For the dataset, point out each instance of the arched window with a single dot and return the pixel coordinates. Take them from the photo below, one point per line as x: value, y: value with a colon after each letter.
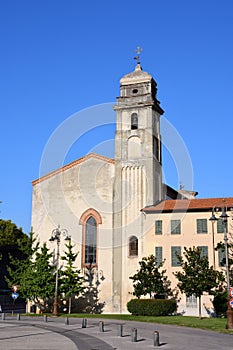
x: 134, y: 121
x: 133, y: 246
x: 90, y: 220
x: 90, y: 241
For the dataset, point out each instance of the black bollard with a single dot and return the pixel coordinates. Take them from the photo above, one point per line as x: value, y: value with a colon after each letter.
x: 101, y: 326
x: 67, y: 321
x: 156, y: 338
x: 45, y: 318
x: 120, y: 330
x: 84, y: 323
x: 134, y: 335
x: 18, y: 317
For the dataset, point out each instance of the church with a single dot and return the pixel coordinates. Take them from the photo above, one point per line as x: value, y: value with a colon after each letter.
x: 118, y: 211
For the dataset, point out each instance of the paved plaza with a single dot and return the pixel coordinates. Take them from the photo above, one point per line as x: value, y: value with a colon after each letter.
x: 34, y: 333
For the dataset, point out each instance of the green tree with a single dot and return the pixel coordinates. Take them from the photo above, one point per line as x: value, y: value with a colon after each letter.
x: 10, y: 234
x: 220, y: 303
x: 197, y: 276
x: 149, y: 279
x: 20, y: 270
x: 12, y: 239
x: 70, y: 281
x: 34, y: 276
x: 42, y: 280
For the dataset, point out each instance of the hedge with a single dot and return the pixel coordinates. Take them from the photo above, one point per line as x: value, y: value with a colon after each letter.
x: 220, y: 304
x: 151, y: 307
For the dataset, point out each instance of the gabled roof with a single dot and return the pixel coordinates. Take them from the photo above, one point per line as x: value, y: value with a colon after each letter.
x: 191, y: 205
x: 72, y: 164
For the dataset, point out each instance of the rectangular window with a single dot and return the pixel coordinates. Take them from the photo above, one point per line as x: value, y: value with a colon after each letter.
x: 202, y: 226
x: 156, y: 147
x: 221, y: 257
x: 159, y: 255
x: 220, y: 226
x: 191, y: 301
x: 204, y: 251
x: 175, y: 227
x: 158, y: 227
x: 174, y: 252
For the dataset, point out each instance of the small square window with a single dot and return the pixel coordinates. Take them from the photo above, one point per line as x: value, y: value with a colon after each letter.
x: 159, y: 255
x: 202, y: 226
x: 175, y: 227
x: 220, y: 226
x: 174, y: 258
x: 204, y: 251
x: 221, y: 257
x: 191, y: 301
x: 158, y: 227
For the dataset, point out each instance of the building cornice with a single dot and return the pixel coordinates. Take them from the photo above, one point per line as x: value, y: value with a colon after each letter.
x: 189, y: 205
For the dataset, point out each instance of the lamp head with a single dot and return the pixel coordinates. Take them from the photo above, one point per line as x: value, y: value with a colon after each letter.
x: 213, y: 217
x: 224, y: 215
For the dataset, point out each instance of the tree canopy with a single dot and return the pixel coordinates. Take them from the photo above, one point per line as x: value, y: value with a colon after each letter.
x: 10, y: 234
x: 34, y: 275
x: 197, y: 276
x: 149, y: 279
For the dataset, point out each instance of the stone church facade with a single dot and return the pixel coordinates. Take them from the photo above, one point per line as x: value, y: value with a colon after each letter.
x: 118, y: 210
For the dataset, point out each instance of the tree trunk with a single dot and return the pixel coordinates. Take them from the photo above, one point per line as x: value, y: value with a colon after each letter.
x: 200, y: 306
x: 69, y: 311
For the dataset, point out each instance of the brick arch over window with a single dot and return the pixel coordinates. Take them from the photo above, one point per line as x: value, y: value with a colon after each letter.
x: 133, y: 246
x: 90, y: 220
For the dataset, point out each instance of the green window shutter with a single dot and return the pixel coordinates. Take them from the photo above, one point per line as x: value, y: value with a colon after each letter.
x: 175, y: 227
x: 204, y: 251
x: 221, y: 257
x: 174, y: 252
x: 159, y: 255
x: 158, y: 227
x: 202, y: 226
x: 220, y: 226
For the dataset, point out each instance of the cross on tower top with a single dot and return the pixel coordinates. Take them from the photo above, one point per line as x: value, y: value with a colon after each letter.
x: 138, y: 52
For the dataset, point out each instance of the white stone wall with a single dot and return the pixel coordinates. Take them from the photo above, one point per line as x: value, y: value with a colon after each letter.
x: 62, y: 198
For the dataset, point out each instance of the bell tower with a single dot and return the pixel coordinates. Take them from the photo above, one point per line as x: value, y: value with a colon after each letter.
x: 137, y: 139
x: 138, y: 172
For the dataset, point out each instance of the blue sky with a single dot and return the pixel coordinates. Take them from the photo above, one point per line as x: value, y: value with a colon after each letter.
x: 60, y: 57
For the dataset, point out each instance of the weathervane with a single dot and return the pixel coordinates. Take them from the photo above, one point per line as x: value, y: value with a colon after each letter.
x: 138, y: 52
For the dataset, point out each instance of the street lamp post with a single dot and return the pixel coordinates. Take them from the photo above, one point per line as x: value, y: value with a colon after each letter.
x: 213, y: 219
x: 224, y: 218
x: 56, y: 236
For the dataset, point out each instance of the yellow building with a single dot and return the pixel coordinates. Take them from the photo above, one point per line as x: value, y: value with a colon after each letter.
x: 175, y: 224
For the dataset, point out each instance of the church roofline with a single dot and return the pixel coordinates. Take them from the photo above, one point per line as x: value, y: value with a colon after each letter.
x: 189, y: 205
x: 71, y: 165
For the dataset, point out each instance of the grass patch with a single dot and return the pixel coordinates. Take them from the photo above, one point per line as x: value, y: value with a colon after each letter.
x: 213, y: 324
